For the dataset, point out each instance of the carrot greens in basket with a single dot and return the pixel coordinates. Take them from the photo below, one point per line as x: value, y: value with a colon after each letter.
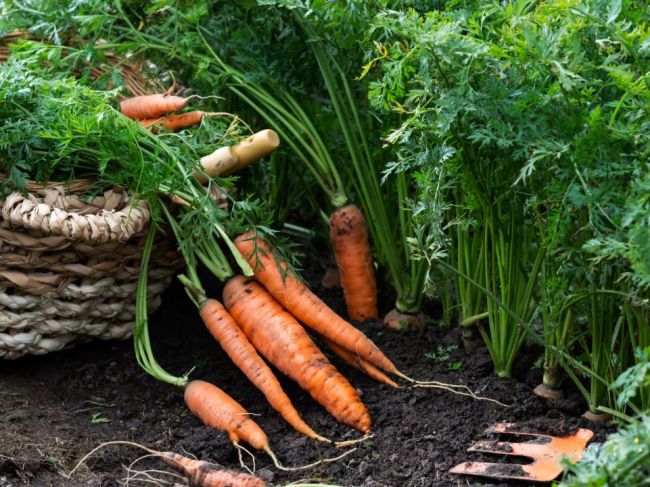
x: 54, y: 129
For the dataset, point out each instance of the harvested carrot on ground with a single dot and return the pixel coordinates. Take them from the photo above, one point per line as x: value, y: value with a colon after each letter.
x: 199, y: 473
x: 152, y: 106
x: 223, y: 328
x: 311, y: 311
x: 205, y: 474
x: 349, y: 236
x: 218, y: 410
x: 308, y: 308
x: 358, y: 363
x: 284, y: 343
x: 174, y: 122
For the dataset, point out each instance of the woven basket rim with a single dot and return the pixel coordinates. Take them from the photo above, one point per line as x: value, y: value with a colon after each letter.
x: 71, y: 187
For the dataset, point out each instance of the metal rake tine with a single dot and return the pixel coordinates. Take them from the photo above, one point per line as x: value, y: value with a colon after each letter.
x: 529, y: 450
x: 511, y: 429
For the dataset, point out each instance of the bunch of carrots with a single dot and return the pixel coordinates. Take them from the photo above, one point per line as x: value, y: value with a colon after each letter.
x: 262, y: 315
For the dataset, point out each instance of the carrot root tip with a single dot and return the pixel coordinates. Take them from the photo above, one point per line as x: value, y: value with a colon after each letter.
x: 347, y: 443
x: 459, y: 389
x: 279, y: 466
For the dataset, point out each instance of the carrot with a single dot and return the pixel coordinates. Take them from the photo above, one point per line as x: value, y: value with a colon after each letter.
x: 359, y: 364
x: 174, y: 122
x: 152, y: 106
x: 224, y: 329
x: 226, y: 161
x: 218, y: 410
x: 306, y: 306
x: 349, y: 237
x: 284, y: 343
x: 198, y: 472
x: 205, y: 474
x: 216, y: 164
x: 256, y: 147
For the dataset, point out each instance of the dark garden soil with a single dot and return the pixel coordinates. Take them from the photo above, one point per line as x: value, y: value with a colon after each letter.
x: 56, y: 408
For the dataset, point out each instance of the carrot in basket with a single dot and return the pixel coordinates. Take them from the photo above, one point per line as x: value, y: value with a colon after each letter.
x: 223, y: 328
x: 174, y: 122
x: 358, y: 363
x: 284, y: 343
x: 306, y: 306
x: 152, y: 106
x: 218, y: 410
x: 349, y: 237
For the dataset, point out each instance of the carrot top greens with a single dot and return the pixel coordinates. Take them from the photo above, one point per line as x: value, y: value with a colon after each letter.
x: 53, y: 128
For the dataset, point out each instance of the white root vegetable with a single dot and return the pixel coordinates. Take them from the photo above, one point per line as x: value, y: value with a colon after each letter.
x: 228, y: 160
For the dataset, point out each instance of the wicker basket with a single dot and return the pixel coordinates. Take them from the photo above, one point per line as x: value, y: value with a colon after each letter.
x: 69, y: 267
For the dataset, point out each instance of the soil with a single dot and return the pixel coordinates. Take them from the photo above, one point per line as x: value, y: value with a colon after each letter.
x: 54, y: 409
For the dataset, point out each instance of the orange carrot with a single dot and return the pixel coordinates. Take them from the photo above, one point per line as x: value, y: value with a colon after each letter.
x: 223, y: 328
x: 305, y: 305
x: 174, y: 122
x: 218, y: 410
x: 197, y: 472
x: 284, y: 343
x: 205, y: 474
x: 358, y: 363
x: 152, y: 106
x: 349, y: 237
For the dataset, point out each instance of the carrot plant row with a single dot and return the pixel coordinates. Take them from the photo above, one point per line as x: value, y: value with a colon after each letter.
x: 531, y: 114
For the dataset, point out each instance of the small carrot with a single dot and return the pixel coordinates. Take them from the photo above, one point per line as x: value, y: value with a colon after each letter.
x: 305, y: 305
x: 223, y: 328
x: 218, y: 410
x: 197, y: 472
x: 358, y: 363
x: 174, y: 122
x: 152, y: 106
x: 205, y: 474
x: 349, y: 237
x: 284, y: 343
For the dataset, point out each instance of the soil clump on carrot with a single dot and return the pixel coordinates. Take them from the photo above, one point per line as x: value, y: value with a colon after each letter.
x: 57, y: 408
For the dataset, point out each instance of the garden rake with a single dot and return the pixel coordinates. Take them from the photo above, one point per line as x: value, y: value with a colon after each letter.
x: 545, y: 451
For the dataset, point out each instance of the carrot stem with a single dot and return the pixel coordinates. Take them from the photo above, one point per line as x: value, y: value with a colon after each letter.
x: 143, y: 352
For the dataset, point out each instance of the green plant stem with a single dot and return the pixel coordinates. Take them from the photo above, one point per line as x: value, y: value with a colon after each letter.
x: 143, y: 352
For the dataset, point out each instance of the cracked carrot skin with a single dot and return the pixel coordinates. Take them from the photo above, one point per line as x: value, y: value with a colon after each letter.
x: 218, y: 410
x: 152, y: 106
x: 308, y: 308
x: 349, y: 236
x: 225, y: 330
x: 284, y: 343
